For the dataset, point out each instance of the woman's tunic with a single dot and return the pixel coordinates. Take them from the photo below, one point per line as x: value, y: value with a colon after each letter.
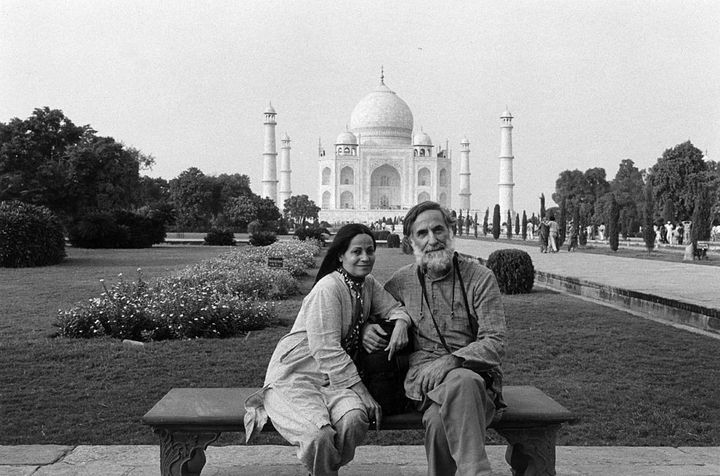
x: 310, y: 359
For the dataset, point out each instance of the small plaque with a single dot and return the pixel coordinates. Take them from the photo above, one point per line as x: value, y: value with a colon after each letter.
x: 274, y: 262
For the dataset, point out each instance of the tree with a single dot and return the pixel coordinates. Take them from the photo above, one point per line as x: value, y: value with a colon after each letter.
x: 240, y: 211
x: 542, y: 206
x: 509, y: 226
x: 48, y: 160
x: 267, y: 212
x: 562, y: 223
x: 675, y: 176
x: 524, y: 226
x: 517, y: 224
x: 475, y: 224
x: 580, y: 187
x: 300, y: 208
x: 496, y: 222
x: 460, y: 223
x: 192, y: 194
x: 613, y: 214
x: 628, y: 187
x: 485, y: 222
x: 648, y: 219
x: 700, y: 228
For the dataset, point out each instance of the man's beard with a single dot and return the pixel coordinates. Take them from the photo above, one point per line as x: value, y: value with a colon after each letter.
x: 435, y: 260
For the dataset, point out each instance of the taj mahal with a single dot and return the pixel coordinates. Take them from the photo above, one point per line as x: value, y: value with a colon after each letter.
x: 380, y: 167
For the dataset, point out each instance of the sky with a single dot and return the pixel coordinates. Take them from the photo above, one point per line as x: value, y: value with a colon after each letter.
x: 588, y: 83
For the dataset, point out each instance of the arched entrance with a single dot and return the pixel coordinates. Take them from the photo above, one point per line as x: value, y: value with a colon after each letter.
x: 385, y: 187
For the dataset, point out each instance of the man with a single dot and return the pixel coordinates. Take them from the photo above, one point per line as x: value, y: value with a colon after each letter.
x: 459, y: 332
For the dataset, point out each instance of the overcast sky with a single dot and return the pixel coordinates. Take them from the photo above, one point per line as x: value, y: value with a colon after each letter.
x: 589, y: 83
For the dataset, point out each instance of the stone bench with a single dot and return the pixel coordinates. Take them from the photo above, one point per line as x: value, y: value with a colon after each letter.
x: 189, y: 419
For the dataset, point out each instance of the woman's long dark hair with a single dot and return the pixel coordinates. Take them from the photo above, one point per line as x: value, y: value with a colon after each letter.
x: 339, y: 246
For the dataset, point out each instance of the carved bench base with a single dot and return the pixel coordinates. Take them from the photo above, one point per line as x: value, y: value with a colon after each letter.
x: 531, y: 451
x: 183, y: 453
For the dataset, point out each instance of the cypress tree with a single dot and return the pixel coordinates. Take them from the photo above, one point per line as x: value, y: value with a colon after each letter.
x: 475, y: 224
x: 700, y: 228
x: 562, y: 223
x: 517, y: 224
x: 542, y: 206
x: 460, y: 224
x: 485, y: 221
x: 648, y: 230
x: 496, y: 222
x: 614, y: 223
x: 509, y: 226
x: 524, y: 226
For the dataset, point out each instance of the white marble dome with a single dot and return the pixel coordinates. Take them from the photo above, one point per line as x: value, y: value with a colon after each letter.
x: 422, y: 139
x: 346, y: 138
x: 382, y: 118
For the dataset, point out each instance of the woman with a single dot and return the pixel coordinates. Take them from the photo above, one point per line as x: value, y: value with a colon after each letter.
x: 313, y: 393
x: 553, y: 234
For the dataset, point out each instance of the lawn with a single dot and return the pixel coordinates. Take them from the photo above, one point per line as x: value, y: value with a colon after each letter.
x: 631, y: 381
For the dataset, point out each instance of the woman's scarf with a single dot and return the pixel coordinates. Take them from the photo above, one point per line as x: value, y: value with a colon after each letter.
x: 351, y: 342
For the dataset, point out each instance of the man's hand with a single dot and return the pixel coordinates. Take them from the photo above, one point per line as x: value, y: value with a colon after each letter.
x: 433, y: 374
x: 399, y: 338
x: 375, y: 338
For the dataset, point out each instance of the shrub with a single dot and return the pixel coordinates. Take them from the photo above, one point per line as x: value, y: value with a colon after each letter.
x: 30, y: 235
x: 513, y: 269
x: 95, y: 230
x: 120, y: 229
x: 316, y: 233
x: 263, y: 238
x: 393, y: 240
x: 254, y: 226
x: 381, y: 234
x: 216, y: 237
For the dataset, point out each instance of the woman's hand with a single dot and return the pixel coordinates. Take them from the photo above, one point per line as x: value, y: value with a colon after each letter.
x: 371, y: 405
x: 399, y: 338
x: 374, y: 338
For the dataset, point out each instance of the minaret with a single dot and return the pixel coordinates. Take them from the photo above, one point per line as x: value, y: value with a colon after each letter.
x: 465, y: 174
x: 505, y: 185
x: 269, y: 181
x: 284, y: 192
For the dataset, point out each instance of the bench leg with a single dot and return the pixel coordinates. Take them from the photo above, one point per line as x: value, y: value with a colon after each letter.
x: 183, y: 453
x: 531, y: 451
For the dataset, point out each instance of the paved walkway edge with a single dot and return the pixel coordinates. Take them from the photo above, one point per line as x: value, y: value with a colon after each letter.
x: 37, y: 460
x: 649, y: 305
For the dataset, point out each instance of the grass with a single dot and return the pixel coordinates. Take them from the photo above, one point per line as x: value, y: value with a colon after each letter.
x: 631, y: 381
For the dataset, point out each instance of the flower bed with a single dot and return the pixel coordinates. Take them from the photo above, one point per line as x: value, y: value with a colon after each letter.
x: 219, y: 297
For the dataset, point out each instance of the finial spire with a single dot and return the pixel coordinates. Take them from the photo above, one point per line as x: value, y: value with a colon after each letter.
x: 382, y: 74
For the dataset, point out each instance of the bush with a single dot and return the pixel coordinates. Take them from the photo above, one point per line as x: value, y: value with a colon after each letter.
x: 393, y: 240
x: 263, y: 238
x: 381, y: 234
x: 120, y: 229
x: 96, y: 230
x: 316, y: 233
x: 513, y: 269
x: 29, y: 236
x: 216, y: 237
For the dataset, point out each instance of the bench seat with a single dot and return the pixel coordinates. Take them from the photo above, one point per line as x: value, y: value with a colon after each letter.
x: 189, y: 419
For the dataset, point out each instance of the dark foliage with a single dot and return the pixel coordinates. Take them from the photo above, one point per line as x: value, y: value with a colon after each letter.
x: 120, y: 229
x: 613, y: 223
x: 496, y: 222
x: 393, y: 240
x: 30, y: 235
x: 263, y: 238
x: 562, y: 223
x: 316, y: 233
x: 524, y: 225
x: 218, y: 237
x: 648, y: 230
x: 513, y: 270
